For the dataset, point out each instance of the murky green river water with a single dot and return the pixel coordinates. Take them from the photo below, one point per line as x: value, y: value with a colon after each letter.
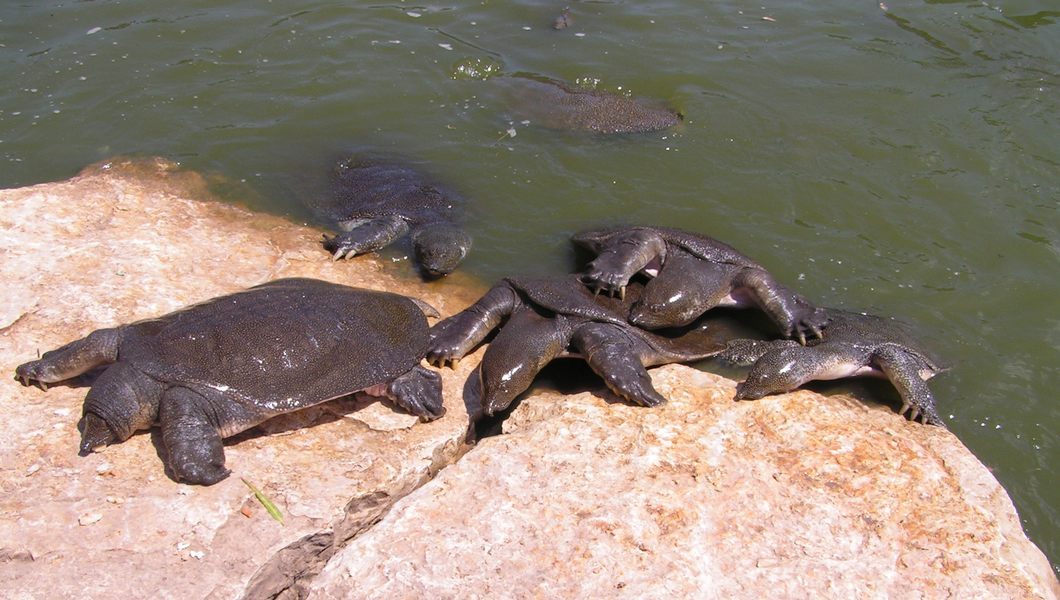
x: 899, y: 158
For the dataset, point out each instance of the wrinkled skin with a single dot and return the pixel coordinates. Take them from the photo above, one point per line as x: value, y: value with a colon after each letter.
x: 556, y: 105
x: 691, y: 274
x: 542, y: 319
x: 377, y: 202
x: 853, y: 345
x: 214, y: 369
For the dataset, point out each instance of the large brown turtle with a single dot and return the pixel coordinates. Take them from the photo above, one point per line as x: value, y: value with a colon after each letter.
x: 548, y: 318
x: 220, y: 367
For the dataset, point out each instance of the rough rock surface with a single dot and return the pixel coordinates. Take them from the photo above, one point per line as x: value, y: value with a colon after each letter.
x: 127, y: 240
x: 793, y: 496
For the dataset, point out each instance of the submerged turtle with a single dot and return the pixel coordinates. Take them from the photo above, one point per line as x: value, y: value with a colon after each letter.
x: 854, y: 344
x: 692, y: 273
x: 220, y: 367
x: 556, y: 105
x: 549, y: 318
x: 376, y: 202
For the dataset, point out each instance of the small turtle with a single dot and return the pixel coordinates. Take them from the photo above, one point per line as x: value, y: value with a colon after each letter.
x: 549, y: 318
x: 854, y: 344
x: 220, y: 367
x: 377, y: 201
x: 692, y: 273
x: 556, y: 105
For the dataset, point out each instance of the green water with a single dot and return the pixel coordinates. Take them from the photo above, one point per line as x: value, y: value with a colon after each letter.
x: 901, y: 160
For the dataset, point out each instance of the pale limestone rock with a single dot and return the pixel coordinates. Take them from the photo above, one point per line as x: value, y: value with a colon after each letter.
x: 793, y: 496
x: 128, y: 240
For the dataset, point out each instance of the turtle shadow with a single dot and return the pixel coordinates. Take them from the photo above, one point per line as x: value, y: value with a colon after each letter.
x: 305, y: 419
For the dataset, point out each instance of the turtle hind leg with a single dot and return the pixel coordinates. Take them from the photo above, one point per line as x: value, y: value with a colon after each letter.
x: 903, y: 370
x: 79, y: 356
x: 194, y: 453
x: 420, y: 392
x: 616, y: 358
x: 121, y: 402
x: 372, y: 235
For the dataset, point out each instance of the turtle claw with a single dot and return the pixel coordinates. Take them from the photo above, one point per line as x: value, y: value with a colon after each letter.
x: 622, y: 293
x: 802, y: 337
x: 43, y: 386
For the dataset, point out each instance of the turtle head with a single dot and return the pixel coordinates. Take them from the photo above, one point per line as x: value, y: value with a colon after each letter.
x: 95, y: 433
x: 674, y: 308
x: 501, y: 387
x: 684, y: 289
x: 440, y: 247
x: 779, y: 370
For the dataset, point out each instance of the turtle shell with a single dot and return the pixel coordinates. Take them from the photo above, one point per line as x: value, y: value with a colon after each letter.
x: 365, y: 189
x: 704, y: 247
x: 870, y: 332
x: 283, y: 345
x: 569, y: 296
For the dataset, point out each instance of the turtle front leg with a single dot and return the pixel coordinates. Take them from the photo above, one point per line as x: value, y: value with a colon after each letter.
x: 795, y: 315
x: 616, y: 357
x: 420, y: 392
x: 904, y: 371
x: 194, y: 453
x: 79, y: 356
x: 620, y: 258
x: 372, y: 235
x: 454, y: 337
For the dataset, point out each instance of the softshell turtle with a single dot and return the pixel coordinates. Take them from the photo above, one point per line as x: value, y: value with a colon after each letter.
x: 377, y: 201
x: 220, y: 367
x: 556, y: 105
x: 854, y: 344
x: 553, y: 317
x: 692, y: 273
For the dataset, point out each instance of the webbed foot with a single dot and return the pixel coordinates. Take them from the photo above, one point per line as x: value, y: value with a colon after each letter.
x: 603, y: 281
x: 926, y: 413
x: 420, y: 392
x: 448, y: 344
x: 808, y: 322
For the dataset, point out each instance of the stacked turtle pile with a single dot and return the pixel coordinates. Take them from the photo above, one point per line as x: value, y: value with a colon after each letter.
x: 620, y: 332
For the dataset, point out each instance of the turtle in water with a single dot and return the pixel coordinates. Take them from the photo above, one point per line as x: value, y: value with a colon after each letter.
x: 556, y: 105
x: 854, y: 344
x: 377, y: 201
x: 213, y: 369
x: 548, y: 318
x: 691, y: 273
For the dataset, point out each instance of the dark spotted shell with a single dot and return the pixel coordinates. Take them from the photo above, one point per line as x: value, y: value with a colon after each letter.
x: 283, y: 345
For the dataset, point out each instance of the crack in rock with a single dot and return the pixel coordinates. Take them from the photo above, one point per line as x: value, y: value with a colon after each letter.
x: 287, y: 575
